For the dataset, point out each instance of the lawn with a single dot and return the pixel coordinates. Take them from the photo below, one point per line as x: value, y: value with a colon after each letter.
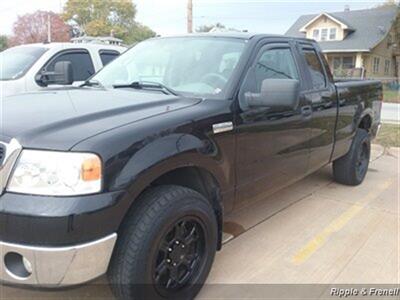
x: 391, y: 96
x: 389, y: 135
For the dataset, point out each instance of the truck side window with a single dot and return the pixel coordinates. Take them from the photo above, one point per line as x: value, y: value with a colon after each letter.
x: 275, y: 64
x: 315, y: 68
x: 108, y: 56
x: 271, y: 63
x: 81, y: 61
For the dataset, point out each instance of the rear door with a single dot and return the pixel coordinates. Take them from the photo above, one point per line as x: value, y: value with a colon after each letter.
x: 272, y: 146
x: 320, y: 95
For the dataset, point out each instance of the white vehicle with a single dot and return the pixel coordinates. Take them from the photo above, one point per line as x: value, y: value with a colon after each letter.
x: 33, y: 67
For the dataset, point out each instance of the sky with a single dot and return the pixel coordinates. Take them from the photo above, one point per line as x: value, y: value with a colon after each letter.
x: 167, y: 17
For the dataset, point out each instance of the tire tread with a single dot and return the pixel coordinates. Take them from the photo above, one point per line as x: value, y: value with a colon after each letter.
x: 138, y: 223
x: 344, y: 171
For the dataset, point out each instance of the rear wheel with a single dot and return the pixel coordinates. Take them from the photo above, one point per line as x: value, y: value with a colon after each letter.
x: 352, y: 168
x: 166, y: 247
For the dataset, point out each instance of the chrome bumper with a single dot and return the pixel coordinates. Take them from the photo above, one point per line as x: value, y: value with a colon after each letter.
x: 55, y: 267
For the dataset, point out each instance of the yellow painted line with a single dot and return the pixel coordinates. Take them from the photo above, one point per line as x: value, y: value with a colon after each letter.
x: 314, y: 244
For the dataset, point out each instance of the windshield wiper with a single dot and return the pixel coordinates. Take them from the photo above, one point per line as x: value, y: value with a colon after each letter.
x: 275, y: 71
x: 148, y: 85
x: 91, y: 83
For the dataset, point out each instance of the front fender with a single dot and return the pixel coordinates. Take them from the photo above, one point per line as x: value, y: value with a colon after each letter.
x: 166, y: 154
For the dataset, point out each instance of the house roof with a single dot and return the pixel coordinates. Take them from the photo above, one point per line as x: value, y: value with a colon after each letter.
x: 336, y: 20
x: 368, y: 28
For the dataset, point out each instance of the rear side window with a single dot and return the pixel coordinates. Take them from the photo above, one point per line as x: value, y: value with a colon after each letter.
x: 107, y: 56
x: 81, y: 61
x: 315, y: 67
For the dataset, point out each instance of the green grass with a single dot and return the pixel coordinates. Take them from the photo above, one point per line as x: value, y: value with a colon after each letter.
x: 389, y: 135
x: 391, y: 96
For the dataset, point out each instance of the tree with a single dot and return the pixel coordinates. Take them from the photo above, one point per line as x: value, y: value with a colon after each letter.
x: 33, y: 28
x: 389, y: 3
x: 3, y: 42
x: 139, y: 33
x: 100, y: 17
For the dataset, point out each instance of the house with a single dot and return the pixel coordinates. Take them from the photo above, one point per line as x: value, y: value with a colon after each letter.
x: 359, y: 43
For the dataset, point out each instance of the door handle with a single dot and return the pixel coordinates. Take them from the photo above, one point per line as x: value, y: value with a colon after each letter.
x: 306, y: 110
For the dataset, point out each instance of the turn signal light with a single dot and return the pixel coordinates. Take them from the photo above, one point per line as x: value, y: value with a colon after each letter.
x: 91, y: 169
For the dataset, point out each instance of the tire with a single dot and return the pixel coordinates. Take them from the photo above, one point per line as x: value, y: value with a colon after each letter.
x: 352, y: 168
x: 148, y: 262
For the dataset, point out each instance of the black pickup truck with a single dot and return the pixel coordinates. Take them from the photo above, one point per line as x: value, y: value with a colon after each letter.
x: 132, y: 173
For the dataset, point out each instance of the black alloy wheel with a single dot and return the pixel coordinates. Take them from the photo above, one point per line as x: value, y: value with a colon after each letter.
x: 180, y: 255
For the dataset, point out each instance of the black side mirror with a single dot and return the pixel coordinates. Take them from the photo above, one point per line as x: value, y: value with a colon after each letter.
x: 283, y: 93
x: 62, y: 75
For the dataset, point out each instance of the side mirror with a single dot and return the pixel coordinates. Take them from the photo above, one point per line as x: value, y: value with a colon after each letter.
x: 282, y: 93
x: 62, y: 75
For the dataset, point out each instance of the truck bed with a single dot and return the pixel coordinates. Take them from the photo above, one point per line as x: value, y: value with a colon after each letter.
x: 356, y: 99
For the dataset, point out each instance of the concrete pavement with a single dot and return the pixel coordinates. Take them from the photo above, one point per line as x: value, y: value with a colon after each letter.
x: 314, y: 232
x: 390, y: 113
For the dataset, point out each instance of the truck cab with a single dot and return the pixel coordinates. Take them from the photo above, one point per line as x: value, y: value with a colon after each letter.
x: 24, y: 68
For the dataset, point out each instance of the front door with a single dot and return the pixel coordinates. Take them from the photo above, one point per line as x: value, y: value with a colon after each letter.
x: 272, y: 145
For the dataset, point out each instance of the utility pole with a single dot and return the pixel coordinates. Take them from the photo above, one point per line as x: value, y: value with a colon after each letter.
x: 48, y: 28
x: 190, y: 16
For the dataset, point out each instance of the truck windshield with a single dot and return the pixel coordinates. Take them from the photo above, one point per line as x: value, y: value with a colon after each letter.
x: 192, y: 66
x: 15, y: 62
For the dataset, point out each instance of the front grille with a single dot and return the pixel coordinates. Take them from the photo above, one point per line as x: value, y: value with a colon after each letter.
x: 2, y: 153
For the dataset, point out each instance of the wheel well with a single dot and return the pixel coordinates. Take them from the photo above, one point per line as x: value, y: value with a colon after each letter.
x: 203, y: 182
x: 365, y: 123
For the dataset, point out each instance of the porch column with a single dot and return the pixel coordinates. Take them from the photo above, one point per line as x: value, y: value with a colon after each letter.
x: 359, y: 60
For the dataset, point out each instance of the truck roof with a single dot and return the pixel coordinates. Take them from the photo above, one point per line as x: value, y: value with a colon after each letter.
x: 240, y: 35
x: 75, y: 45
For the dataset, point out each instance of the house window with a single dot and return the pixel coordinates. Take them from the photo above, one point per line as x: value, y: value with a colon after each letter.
x: 332, y: 34
x: 337, y: 63
x: 376, y: 65
x: 348, y: 62
x: 315, y: 34
x: 343, y: 63
x: 324, y: 34
x: 387, y: 67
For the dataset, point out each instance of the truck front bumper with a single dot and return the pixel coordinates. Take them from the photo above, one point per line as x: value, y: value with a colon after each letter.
x: 55, y: 266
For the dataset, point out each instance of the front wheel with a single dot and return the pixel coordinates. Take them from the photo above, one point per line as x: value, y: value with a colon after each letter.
x: 166, y: 247
x: 352, y: 168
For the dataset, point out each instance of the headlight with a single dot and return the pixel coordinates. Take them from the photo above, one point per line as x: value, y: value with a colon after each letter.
x: 56, y: 173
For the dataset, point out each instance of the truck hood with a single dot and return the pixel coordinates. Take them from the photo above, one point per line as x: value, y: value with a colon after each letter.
x: 59, y: 119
